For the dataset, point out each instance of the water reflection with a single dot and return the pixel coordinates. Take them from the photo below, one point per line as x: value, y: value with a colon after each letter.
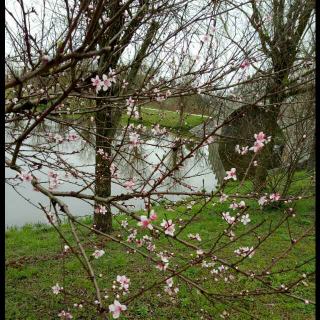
x: 196, y: 172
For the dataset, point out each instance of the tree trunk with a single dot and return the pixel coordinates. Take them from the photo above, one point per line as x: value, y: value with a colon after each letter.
x: 103, y: 174
x: 107, y: 124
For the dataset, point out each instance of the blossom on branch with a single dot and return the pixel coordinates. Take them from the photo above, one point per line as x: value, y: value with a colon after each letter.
x: 116, y: 309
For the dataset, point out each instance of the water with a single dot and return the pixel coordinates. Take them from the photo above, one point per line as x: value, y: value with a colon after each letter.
x: 22, y: 202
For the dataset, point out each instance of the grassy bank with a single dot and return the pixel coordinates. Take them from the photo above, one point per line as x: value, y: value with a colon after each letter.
x: 34, y: 264
x: 164, y: 118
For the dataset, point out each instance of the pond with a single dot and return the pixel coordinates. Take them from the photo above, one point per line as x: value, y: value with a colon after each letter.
x: 22, y: 202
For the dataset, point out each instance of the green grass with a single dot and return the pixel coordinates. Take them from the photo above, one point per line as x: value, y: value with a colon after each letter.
x: 170, y: 120
x: 37, y: 250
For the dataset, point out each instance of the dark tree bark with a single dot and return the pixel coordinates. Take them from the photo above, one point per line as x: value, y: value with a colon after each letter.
x: 107, y: 123
x: 282, y: 48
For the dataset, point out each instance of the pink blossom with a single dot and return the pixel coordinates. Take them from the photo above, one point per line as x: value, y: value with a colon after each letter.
x: 145, y: 223
x: 244, y: 150
x: 244, y: 65
x: 257, y: 146
x: 116, y: 308
x: 245, y: 219
x: 169, y: 282
x: 198, y: 237
x: 106, y: 82
x: 242, y: 204
x: 124, y: 223
x: 73, y: 136
x: 97, y: 83
x: 98, y: 253
x: 124, y: 281
x: 124, y: 83
x: 170, y: 230
x: 275, y: 196
x: 128, y: 184
x: 26, y: 176
x: 224, y: 197
x: 206, y: 38
x: 165, y: 224
x: 268, y: 18
x: 231, y: 174
x: 225, y: 215
x: 237, y: 149
x: 45, y: 59
x: 233, y: 205
x: 262, y: 200
x: 56, y: 289
x: 169, y: 227
x: 153, y: 215
x: 103, y: 210
x: 58, y: 138
x: 260, y: 137
x: 130, y: 102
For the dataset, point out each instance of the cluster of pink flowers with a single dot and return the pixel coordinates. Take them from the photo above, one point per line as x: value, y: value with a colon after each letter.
x: 169, y: 288
x: 133, y: 137
x: 105, y: 82
x: 145, y: 240
x: 160, y: 97
x: 124, y: 282
x: 100, y: 209
x: 105, y: 155
x: 235, y: 205
x: 243, y: 151
x: 58, y: 138
x: 54, y: 180
x: 73, y: 137
x: 163, y: 265
x: 261, y: 140
x: 226, y: 216
x: 131, y: 108
x: 196, y: 236
x: 275, y: 196
x: 26, y: 176
x: 169, y: 227
x: 64, y: 314
x: 245, y: 65
x: 243, y: 251
x: 157, y: 130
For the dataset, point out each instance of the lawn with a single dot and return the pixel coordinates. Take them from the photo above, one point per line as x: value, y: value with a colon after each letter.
x: 34, y: 263
x: 165, y: 118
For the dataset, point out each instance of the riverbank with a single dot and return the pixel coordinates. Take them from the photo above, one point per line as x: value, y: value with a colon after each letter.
x: 34, y: 263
